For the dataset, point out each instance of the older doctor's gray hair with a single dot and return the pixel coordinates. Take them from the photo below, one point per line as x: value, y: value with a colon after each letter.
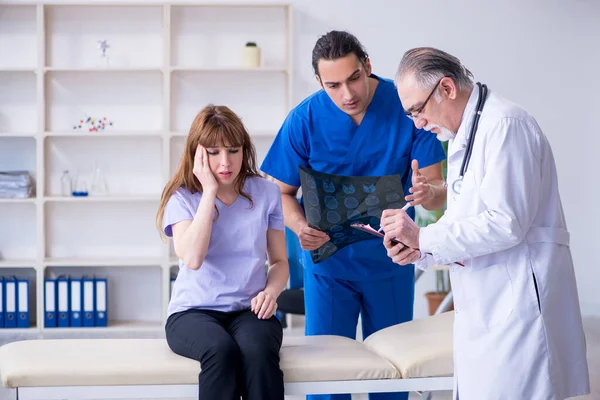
x: 429, y: 65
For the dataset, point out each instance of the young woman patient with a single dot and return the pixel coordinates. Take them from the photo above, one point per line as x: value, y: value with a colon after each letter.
x: 225, y: 221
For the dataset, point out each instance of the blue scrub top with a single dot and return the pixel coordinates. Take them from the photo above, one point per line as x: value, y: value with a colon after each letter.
x: 318, y: 135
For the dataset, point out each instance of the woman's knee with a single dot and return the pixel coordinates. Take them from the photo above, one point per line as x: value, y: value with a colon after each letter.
x: 262, y: 348
x: 223, y: 349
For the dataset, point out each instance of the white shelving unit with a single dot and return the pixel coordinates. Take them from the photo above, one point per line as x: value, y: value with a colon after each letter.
x: 165, y: 62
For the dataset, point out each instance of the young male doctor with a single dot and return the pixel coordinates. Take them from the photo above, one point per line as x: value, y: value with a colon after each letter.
x: 517, y: 330
x: 354, y: 126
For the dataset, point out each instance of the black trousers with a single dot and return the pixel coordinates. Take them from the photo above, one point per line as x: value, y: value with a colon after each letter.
x: 238, y: 353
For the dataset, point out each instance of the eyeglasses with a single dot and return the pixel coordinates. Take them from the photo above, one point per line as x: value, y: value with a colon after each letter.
x: 415, y: 113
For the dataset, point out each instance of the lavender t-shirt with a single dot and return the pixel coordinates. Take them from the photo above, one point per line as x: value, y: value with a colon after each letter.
x: 233, y: 271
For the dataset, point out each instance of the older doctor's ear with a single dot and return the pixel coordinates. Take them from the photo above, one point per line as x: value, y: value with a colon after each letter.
x: 448, y: 88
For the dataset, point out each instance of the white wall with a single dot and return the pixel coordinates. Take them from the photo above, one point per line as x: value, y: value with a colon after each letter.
x: 543, y: 54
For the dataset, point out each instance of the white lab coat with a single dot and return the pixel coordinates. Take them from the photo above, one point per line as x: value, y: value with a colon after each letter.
x: 518, y: 333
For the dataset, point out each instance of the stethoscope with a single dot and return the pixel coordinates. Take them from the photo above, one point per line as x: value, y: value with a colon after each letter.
x: 457, y: 184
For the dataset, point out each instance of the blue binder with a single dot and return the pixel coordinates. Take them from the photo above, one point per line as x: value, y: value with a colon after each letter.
x: 76, y: 302
x: 2, y: 302
x: 10, y: 309
x: 63, y: 302
x: 23, y: 303
x: 88, y: 302
x: 50, y: 304
x: 101, y: 302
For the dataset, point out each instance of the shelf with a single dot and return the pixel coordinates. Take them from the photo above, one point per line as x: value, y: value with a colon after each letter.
x: 29, y: 200
x: 132, y: 103
x: 18, y: 134
x: 18, y: 30
x: 229, y: 69
x: 130, y: 165
x: 127, y: 3
x: 18, y: 243
x: 8, y: 331
x: 100, y: 262
x: 213, y: 37
x: 102, y: 69
x: 17, y: 69
x: 113, y: 326
x: 105, y: 133
x: 17, y: 263
x: 72, y: 33
x: 25, y: 147
x: 107, y: 199
x: 18, y: 102
x: 261, y: 104
x: 106, y: 230
x: 253, y: 133
x: 166, y: 61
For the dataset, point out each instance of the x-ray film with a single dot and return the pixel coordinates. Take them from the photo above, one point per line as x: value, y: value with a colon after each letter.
x: 333, y: 202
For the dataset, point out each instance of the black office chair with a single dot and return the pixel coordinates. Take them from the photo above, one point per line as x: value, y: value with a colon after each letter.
x: 291, y: 300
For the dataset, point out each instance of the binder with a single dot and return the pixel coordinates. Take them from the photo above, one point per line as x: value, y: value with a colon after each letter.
x: 63, y: 302
x: 101, y: 302
x: 23, y: 303
x: 88, y: 302
x: 50, y: 306
x: 76, y: 303
x: 10, y: 316
x: 2, y: 302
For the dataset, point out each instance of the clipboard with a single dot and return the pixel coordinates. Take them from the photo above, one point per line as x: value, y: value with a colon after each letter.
x: 367, y: 228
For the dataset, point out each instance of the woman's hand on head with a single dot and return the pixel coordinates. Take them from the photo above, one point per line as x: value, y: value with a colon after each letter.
x: 264, y: 305
x: 202, y: 171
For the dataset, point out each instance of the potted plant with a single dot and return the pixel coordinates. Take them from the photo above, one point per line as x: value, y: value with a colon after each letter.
x: 442, y: 288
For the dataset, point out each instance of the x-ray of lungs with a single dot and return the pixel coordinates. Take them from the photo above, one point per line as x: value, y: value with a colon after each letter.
x: 333, y: 202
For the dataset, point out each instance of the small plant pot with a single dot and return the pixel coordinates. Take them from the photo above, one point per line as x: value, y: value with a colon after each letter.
x: 435, y: 299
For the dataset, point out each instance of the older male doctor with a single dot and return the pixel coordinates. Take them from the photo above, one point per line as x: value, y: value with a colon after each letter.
x: 517, y: 330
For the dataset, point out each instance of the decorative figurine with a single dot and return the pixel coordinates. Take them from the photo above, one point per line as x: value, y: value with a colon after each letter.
x: 103, y: 46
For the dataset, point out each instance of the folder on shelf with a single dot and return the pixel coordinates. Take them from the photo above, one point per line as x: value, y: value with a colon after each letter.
x: 23, y: 303
x: 63, y: 302
x: 76, y: 303
x: 10, y: 313
x: 88, y: 302
x: 50, y: 303
x: 2, y: 302
x: 101, y: 302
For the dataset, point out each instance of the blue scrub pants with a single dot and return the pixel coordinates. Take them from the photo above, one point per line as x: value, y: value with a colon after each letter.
x: 333, y: 305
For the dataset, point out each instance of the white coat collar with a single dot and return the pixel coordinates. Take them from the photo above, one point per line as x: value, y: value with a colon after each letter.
x: 460, y: 140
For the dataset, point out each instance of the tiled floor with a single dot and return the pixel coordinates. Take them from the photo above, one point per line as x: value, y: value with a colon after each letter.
x: 592, y: 329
